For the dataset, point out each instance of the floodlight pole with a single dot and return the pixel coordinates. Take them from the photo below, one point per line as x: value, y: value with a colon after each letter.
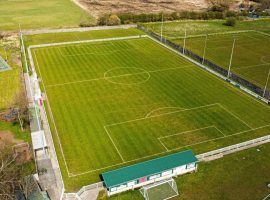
x: 266, y: 84
x: 6, y: 53
x: 229, y: 71
x: 161, y: 31
x: 184, y: 46
x: 204, y: 50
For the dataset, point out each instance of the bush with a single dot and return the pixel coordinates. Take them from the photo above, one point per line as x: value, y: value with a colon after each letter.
x: 230, y: 21
x: 88, y: 22
x: 114, y: 20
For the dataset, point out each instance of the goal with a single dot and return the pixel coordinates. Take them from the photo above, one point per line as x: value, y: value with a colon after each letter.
x: 161, y: 190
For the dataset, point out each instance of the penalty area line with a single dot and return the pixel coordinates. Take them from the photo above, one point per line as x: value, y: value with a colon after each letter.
x: 114, y: 144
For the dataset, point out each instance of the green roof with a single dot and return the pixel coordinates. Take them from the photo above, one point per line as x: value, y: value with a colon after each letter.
x: 147, y: 168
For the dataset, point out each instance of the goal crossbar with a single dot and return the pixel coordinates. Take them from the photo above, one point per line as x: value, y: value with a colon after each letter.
x: 161, y: 190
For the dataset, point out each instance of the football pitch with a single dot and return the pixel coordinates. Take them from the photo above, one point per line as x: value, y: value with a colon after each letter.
x: 116, y: 102
x: 250, y: 59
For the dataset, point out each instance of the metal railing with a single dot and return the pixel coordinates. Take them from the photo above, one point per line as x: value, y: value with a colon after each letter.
x: 236, y: 147
x: 82, y: 190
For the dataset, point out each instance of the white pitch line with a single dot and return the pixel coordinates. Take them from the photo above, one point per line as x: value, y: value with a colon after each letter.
x: 178, y: 111
x: 52, y: 118
x: 90, y: 171
x: 114, y: 144
x: 163, y: 145
x: 167, y: 136
x: 219, y: 131
x: 234, y: 115
x: 123, y: 75
x: 162, y: 108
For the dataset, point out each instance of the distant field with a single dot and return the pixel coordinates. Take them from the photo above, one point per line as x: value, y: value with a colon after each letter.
x: 10, y: 84
x: 32, y: 14
x: 118, y: 102
x: 75, y: 36
x: 251, y: 59
x: 195, y: 27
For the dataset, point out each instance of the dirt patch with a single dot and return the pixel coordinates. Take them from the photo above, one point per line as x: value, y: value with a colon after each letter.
x: 7, y: 137
x: 97, y: 7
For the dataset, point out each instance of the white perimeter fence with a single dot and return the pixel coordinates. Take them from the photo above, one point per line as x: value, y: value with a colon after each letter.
x: 234, y: 148
x: 78, y: 195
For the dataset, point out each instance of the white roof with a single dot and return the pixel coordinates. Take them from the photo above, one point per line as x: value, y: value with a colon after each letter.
x: 38, y: 140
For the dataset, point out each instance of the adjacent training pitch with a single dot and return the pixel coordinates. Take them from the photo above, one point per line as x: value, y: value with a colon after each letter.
x: 114, y: 103
x: 250, y: 59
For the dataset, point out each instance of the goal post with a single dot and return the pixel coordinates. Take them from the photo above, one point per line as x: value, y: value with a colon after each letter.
x: 161, y: 190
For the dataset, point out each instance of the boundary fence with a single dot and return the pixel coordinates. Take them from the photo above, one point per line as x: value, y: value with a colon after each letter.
x: 258, y: 90
x: 78, y: 195
x: 234, y: 148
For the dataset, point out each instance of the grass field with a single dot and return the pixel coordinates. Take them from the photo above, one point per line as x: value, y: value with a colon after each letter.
x: 39, y: 14
x: 118, y: 102
x: 251, y: 58
x: 10, y: 82
x: 196, y: 27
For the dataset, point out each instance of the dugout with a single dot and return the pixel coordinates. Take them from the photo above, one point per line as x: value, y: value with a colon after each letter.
x: 148, y: 172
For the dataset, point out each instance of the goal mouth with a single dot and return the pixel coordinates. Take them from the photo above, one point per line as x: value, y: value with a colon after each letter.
x: 161, y: 190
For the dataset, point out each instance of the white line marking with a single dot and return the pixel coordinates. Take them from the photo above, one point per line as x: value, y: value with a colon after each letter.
x: 162, y: 108
x: 220, y: 137
x: 114, y: 144
x: 123, y: 75
x: 52, y: 118
x: 178, y: 111
x: 163, y: 145
x: 220, y: 131
x: 190, y: 131
x: 143, y: 71
x: 234, y: 115
x: 168, y: 151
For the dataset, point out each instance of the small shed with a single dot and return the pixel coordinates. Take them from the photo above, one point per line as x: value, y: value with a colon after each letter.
x: 150, y: 171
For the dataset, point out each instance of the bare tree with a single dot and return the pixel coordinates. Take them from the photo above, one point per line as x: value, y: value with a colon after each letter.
x: 28, y: 185
x: 9, y: 173
x: 21, y: 107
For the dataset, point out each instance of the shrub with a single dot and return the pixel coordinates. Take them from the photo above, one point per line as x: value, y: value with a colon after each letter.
x: 114, y: 20
x: 88, y: 22
x: 230, y: 21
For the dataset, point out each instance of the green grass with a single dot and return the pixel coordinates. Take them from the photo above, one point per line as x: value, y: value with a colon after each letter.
x: 10, y: 82
x: 32, y: 14
x: 16, y: 130
x: 241, y: 175
x: 193, y: 27
x: 113, y: 101
x: 75, y: 36
x: 251, y: 59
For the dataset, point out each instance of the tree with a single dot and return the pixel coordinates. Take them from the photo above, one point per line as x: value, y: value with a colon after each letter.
x: 9, y: 173
x: 114, y: 20
x: 265, y: 4
x: 21, y: 106
x: 230, y: 21
x: 13, y: 176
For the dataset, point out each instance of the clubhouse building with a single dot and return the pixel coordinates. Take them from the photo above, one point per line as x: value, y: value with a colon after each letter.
x: 149, y: 172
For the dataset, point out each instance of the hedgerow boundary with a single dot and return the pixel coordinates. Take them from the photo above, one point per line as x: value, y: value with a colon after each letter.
x: 246, y: 85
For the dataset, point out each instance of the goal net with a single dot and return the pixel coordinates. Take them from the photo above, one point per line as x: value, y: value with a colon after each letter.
x: 160, y: 190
